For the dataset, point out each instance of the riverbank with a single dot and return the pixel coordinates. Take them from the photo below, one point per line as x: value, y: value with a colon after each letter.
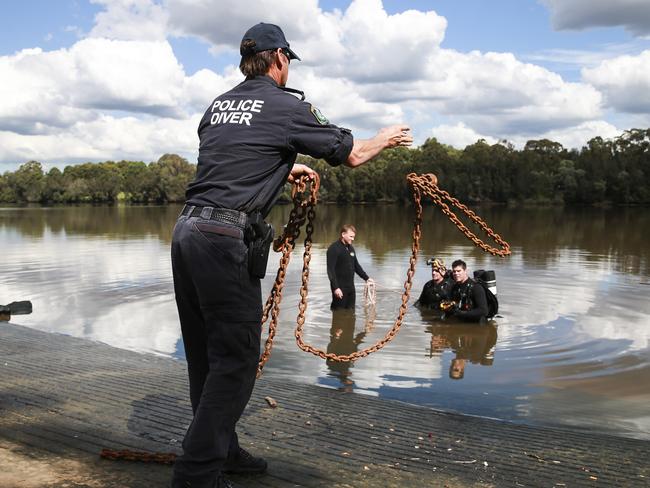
x: 64, y: 399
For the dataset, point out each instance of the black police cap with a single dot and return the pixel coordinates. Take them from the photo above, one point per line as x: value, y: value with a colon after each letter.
x: 266, y: 36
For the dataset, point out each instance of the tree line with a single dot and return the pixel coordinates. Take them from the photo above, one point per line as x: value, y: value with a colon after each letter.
x: 543, y: 172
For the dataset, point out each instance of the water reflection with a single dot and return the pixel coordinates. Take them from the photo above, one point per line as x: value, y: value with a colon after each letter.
x: 473, y: 344
x: 573, y: 339
x: 345, y: 340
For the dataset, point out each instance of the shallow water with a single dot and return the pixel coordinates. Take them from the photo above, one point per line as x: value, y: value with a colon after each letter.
x: 570, y: 346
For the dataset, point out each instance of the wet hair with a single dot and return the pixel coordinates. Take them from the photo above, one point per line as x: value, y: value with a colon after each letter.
x: 347, y: 227
x: 459, y: 262
x: 255, y: 64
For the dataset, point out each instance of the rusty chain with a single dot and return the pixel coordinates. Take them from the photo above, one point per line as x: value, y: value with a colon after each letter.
x: 302, y: 306
x: 303, y: 211
x: 427, y: 184
x: 141, y: 456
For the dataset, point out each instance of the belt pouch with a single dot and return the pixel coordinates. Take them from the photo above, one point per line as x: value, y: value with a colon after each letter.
x: 259, y: 247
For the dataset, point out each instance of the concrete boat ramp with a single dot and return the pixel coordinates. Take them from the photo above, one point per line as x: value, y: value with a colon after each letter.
x: 64, y: 399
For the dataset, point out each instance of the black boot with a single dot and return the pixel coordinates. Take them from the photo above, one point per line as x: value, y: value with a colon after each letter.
x: 220, y: 482
x: 243, y: 462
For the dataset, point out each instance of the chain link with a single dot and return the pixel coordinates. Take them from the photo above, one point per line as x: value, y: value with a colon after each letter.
x: 303, y: 210
x: 427, y: 184
x: 141, y: 456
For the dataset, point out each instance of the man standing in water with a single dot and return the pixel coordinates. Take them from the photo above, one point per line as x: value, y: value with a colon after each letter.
x: 249, y: 139
x: 342, y: 264
x: 469, y: 296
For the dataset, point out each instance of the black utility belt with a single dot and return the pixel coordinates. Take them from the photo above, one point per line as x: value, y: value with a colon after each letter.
x: 256, y: 233
x: 223, y: 215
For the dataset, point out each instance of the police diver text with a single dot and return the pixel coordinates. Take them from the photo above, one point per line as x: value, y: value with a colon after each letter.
x: 235, y: 111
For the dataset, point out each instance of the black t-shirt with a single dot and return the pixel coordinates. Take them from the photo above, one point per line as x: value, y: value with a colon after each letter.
x: 249, y: 139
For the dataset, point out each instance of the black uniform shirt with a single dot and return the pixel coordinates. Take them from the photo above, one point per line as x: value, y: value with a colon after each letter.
x: 249, y: 140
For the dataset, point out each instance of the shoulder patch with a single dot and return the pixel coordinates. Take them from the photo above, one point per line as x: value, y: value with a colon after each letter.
x: 322, y: 120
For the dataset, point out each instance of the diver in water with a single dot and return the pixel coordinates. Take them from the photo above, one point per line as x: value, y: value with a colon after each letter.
x: 469, y: 296
x: 438, y: 289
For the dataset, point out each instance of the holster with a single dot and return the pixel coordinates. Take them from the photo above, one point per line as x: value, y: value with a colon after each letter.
x: 258, y: 236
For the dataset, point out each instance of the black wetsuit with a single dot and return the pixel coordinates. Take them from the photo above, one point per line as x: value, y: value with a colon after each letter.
x: 433, y: 293
x: 342, y: 263
x: 471, y: 300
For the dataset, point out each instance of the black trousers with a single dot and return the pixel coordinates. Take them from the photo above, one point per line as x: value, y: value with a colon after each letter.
x: 220, y: 311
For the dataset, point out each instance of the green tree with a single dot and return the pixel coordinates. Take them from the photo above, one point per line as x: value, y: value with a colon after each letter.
x: 54, y: 188
x: 173, y: 174
x: 28, y: 182
x: 7, y: 192
x: 138, y: 182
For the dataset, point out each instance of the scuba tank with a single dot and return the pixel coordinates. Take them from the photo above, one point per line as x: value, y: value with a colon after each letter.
x: 489, y: 278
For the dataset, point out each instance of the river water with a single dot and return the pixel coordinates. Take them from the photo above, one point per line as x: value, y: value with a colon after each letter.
x: 570, y: 346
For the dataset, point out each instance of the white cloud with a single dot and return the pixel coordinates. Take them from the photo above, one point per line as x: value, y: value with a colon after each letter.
x: 56, y: 88
x: 502, y: 95
x: 634, y: 15
x: 494, y: 94
x: 625, y: 81
x: 95, y: 101
x: 383, y: 59
x: 582, y: 58
x: 103, y: 138
x: 126, y: 75
x: 385, y: 48
x: 204, y: 85
x: 342, y: 103
x: 363, y: 67
x: 579, y: 135
x: 458, y: 135
x: 223, y: 23
x: 363, y: 43
x: 30, y: 91
x: 76, y: 30
x: 133, y: 20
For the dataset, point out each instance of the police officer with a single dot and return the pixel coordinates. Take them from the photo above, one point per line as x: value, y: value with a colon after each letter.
x: 249, y: 139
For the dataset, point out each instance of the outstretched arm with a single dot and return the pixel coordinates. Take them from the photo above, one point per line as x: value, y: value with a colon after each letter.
x: 363, y: 150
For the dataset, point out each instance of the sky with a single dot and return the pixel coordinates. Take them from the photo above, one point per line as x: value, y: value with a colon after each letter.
x: 98, y: 80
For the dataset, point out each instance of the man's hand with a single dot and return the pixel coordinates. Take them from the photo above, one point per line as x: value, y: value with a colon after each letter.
x: 396, y: 135
x: 364, y: 150
x: 300, y: 169
x: 338, y: 293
